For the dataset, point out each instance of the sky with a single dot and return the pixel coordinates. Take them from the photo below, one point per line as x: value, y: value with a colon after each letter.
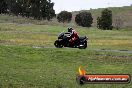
x: 76, y: 5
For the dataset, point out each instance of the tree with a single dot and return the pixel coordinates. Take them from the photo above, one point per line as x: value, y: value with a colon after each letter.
x: 84, y: 19
x: 64, y: 16
x: 99, y: 22
x: 3, y: 6
x: 41, y: 9
x: 105, y: 21
x: 38, y: 9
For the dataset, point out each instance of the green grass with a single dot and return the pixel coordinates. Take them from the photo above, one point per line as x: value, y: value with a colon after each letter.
x: 22, y: 66
x: 28, y: 67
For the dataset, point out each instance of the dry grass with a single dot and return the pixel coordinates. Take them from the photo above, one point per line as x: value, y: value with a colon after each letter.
x: 45, y: 35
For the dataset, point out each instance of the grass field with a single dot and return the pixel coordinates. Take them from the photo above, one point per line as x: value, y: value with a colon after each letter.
x: 45, y: 35
x: 23, y: 66
x: 26, y: 67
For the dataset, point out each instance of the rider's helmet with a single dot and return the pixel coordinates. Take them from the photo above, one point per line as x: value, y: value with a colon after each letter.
x: 70, y: 29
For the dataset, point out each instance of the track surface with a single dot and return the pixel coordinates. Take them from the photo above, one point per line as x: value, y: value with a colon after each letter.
x: 102, y: 50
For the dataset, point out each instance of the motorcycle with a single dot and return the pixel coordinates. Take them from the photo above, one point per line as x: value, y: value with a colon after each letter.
x: 63, y: 41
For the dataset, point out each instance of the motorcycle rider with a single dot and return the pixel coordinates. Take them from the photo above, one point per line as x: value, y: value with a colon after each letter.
x: 74, y: 36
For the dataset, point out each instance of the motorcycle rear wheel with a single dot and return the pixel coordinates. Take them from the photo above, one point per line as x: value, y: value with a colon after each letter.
x: 57, y: 44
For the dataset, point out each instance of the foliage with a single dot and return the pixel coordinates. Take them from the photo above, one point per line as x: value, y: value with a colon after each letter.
x: 64, y: 16
x: 105, y: 21
x: 38, y: 9
x: 84, y: 19
x: 3, y: 7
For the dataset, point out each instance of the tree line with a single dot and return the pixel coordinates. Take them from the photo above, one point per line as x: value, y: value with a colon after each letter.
x: 85, y: 19
x: 38, y: 9
x: 43, y: 9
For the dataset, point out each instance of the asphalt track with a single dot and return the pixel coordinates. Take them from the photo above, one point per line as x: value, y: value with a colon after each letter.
x: 100, y: 50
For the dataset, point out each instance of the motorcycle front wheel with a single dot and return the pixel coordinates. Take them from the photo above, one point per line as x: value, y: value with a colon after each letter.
x: 83, y: 45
